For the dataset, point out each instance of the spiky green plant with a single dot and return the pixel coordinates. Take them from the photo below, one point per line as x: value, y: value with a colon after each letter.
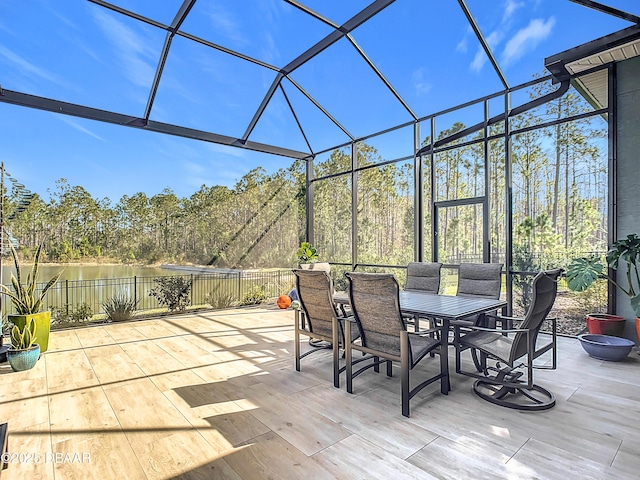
x: 24, y: 297
x: 120, y: 307
x: 25, y: 338
x: 220, y: 300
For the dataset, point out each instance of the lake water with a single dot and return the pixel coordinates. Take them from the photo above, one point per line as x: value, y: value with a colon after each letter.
x: 84, y: 272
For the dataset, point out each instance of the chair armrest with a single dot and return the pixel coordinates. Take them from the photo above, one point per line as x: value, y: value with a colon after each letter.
x: 501, y: 318
x: 426, y: 332
x: 498, y: 330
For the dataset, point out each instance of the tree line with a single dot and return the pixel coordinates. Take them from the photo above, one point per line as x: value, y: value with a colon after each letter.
x: 257, y: 223
x: 559, y: 198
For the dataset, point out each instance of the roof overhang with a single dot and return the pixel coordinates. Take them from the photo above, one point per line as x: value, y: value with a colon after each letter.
x: 571, y: 63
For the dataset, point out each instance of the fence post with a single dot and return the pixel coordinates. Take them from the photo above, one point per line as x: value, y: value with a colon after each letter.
x: 66, y: 295
x: 135, y: 288
x: 191, y: 289
x: 239, y: 285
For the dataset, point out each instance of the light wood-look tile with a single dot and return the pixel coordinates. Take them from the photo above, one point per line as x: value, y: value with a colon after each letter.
x: 123, y: 332
x: 69, y: 370
x: 308, y: 430
x: 151, y: 358
x: 30, y: 450
x: 183, y: 349
x: 270, y: 456
x: 63, y: 340
x: 215, y: 395
x: 539, y: 460
x: 152, y: 329
x: 96, y: 456
x: 343, y: 460
x: 112, y: 365
x: 94, y: 336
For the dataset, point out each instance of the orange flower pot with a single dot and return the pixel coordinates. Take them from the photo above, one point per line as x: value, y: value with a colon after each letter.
x: 605, y: 324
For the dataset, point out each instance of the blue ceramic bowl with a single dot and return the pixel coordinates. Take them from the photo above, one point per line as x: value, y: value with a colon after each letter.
x: 606, y: 347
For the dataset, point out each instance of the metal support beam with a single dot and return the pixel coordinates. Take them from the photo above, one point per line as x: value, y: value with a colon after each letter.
x: 432, y: 193
x: 56, y: 106
x: 382, y: 77
x: 354, y: 206
x: 295, y: 117
x: 263, y: 106
x: 608, y: 10
x: 418, y: 198
x: 321, y: 108
x: 310, y: 233
x: 486, y: 207
x: 508, y: 212
x: 564, y: 87
x: 483, y: 42
x: 173, y: 28
x: 612, y: 234
x: 357, y: 20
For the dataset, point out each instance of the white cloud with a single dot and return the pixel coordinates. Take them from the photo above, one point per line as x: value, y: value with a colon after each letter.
x: 77, y: 126
x: 462, y: 46
x: 481, y: 58
x: 223, y: 21
x: 27, y: 67
x: 527, y: 39
x: 138, y: 58
x: 420, y: 83
x: 510, y: 7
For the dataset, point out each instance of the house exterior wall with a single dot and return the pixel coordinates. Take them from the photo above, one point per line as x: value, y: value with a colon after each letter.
x: 628, y: 168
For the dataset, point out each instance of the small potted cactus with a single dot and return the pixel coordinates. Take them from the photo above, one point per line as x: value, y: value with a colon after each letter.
x: 24, y: 352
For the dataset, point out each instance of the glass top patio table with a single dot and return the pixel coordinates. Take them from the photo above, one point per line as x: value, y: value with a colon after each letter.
x: 447, y: 307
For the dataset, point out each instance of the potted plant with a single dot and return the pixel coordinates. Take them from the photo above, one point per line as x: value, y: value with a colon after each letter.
x: 24, y: 352
x: 27, y: 302
x: 582, y: 272
x: 307, y: 253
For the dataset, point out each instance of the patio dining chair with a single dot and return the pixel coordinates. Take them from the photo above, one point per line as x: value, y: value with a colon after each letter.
x: 375, y: 303
x: 318, y: 318
x: 478, y: 280
x: 422, y: 277
x: 502, y: 384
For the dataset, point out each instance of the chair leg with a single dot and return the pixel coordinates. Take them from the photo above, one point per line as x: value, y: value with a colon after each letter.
x: 336, y: 354
x: 376, y: 366
x: 348, y: 356
x: 445, y: 386
x: 297, y: 340
x: 405, y: 366
x: 389, y: 368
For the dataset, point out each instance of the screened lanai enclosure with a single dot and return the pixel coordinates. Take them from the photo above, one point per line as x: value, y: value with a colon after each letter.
x: 379, y: 168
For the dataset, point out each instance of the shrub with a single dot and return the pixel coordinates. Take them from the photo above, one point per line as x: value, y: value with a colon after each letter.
x: 220, y: 300
x: 81, y: 313
x: 255, y: 296
x: 119, y: 308
x: 173, y: 292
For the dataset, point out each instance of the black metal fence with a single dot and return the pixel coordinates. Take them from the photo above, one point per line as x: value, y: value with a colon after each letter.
x: 239, y: 286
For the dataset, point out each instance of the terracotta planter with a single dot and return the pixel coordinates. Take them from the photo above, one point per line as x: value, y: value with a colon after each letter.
x: 43, y: 326
x: 638, y: 328
x: 605, y: 324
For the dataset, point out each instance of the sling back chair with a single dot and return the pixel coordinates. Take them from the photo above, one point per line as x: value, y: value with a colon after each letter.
x: 375, y: 304
x: 422, y: 277
x: 502, y: 384
x: 478, y: 280
x: 318, y: 318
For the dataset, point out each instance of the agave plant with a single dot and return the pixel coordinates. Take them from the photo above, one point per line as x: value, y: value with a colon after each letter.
x: 24, y: 297
x: 25, y: 338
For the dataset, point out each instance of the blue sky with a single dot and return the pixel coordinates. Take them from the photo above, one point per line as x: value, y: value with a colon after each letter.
x: 78, y: 52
